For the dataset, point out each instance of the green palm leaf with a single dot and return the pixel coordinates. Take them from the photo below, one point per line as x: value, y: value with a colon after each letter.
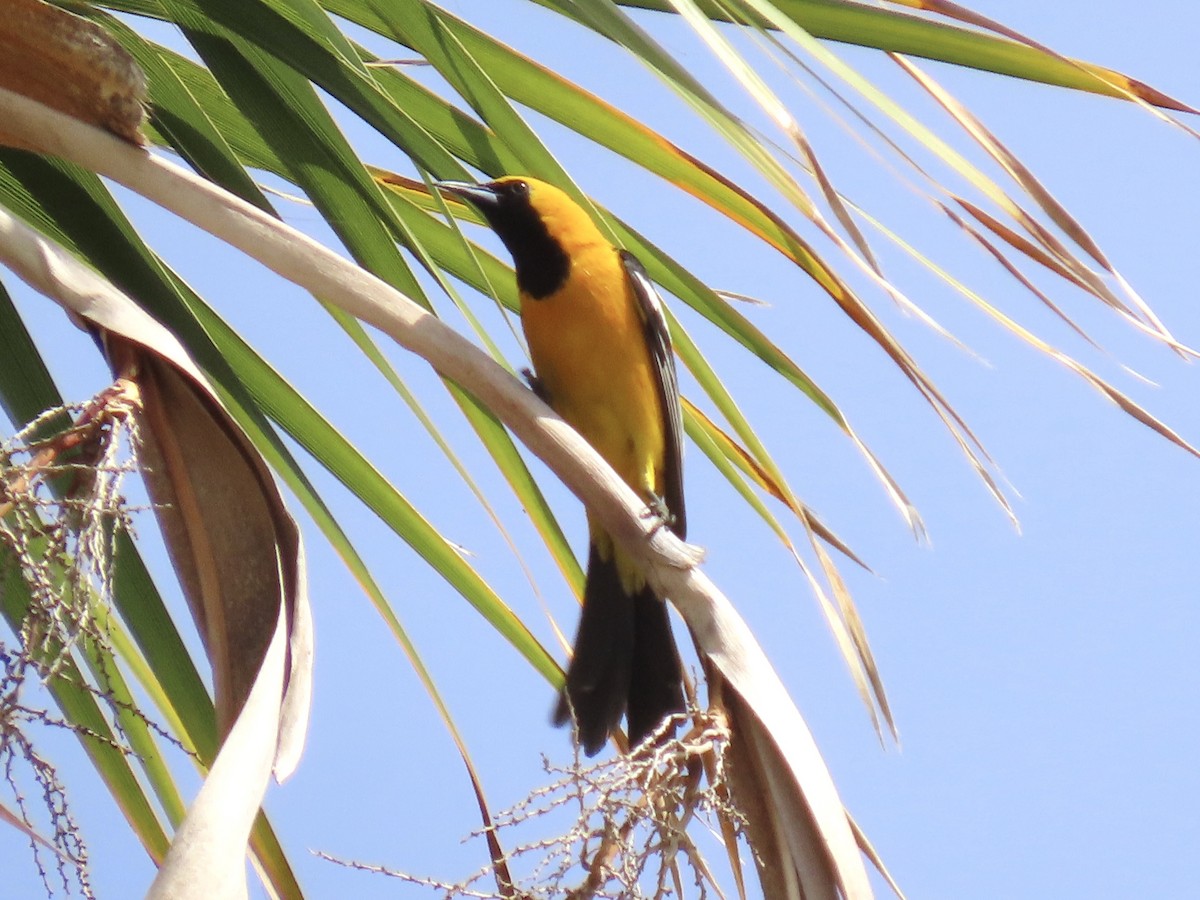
x: 282, y: 92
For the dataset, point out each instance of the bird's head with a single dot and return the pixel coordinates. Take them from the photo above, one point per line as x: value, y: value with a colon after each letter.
x: 541, y: 226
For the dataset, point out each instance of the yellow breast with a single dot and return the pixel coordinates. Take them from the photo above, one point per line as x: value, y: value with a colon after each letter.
x: 588, y: 346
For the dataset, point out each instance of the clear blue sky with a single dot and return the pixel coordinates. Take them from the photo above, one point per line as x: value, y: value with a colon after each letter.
x: 1044, y: 683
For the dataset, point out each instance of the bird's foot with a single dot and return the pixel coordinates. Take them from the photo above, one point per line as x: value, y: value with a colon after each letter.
x: 535, y: 385
x: 657, y: 509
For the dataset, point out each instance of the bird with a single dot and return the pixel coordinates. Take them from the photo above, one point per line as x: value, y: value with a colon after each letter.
x: 602, y: 360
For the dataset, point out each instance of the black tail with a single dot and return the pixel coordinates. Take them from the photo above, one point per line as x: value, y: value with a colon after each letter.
x: 625, y: 659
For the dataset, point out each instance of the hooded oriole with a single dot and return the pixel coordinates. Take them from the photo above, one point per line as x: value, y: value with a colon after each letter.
x: 603, y: 361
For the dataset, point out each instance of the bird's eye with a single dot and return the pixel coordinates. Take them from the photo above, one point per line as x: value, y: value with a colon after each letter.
x: 519, y: 188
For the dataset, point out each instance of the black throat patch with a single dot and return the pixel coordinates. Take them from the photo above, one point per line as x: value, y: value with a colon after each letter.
x: 541, y: 263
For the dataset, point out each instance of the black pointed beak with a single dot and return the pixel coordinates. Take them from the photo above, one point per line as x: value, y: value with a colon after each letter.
x: 482, y: 197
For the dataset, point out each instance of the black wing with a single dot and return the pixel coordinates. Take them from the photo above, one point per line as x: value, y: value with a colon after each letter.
x: 658, y: 339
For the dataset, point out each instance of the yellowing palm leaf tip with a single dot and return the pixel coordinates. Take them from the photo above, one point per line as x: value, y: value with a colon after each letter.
x: 603, y: 360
